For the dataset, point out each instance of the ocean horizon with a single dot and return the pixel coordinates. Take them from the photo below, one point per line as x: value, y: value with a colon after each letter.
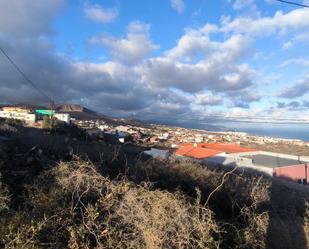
x: 287, y: 131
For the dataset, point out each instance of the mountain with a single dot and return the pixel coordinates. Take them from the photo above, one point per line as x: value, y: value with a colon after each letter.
x: 73, y: 108
x: 81, y: 113
x: 27, y: 106
x: 132, y: 122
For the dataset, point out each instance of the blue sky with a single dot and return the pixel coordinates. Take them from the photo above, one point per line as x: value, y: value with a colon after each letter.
x: 175, y: 61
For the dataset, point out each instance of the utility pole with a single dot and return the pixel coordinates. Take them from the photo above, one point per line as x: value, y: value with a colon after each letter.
x: 52, y: 106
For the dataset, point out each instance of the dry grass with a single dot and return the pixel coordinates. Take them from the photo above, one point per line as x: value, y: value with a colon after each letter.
x: 119, y: 203
x: 252, y: 211
x: 73, y: 206
x: 306, y: 223
x: 4, y: 196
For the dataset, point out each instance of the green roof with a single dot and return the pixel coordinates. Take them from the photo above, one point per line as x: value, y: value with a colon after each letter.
x: 45, y: 112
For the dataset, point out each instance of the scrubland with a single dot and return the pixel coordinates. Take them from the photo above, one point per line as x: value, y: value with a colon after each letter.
x: 64, y: 191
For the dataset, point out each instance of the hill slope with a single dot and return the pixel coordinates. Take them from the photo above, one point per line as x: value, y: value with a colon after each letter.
x: 50, y: 197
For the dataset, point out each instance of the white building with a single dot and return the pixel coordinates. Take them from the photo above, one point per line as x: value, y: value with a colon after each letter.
x: 103, y: 127
x: 65, y: 117
x: 27, y: 117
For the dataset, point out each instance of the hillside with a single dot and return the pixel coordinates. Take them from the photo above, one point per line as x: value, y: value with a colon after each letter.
x: 81, y: 113
x: 62, y: 190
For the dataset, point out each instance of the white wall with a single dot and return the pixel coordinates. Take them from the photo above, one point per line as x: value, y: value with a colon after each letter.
x: 27, y: 117
x: 65, y: 117
x: 237, y: 161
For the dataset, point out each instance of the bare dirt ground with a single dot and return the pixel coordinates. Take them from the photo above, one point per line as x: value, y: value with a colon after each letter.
x: 280, y: 148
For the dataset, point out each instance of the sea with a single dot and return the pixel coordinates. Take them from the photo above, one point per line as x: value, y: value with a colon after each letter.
x: 290, y: 131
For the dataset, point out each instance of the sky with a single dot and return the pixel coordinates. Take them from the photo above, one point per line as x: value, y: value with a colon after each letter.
x: 171, y: 61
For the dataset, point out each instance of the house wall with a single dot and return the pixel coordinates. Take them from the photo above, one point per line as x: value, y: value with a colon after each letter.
x: 235, y: 161
x: 65, y: 117
x: 294, y: 173
x: 27, y: 117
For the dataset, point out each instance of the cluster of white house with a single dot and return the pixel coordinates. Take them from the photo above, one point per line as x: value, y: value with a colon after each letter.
x: 30, y: 116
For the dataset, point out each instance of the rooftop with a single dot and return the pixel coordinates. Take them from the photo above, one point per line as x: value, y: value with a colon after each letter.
x: 272, y: 161
x: 196, y: 152
x: 204, y: 150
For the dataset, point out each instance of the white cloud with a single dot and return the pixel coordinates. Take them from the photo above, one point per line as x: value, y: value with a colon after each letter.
x: 215, y: 66
x: 295, y: 61
x: 279, y: 23
x: 178, y: 5
x: 193, y: 43
x: 131, y: 49
x: 297, y: 90
x: 205, y: 67
x: 287, y: 45
x: 246, y: 7
x: 99, y: 14
x: 209, y: 100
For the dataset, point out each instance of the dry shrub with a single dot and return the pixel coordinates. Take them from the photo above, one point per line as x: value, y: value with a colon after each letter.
x: 255, y: 216
x: 240, y: 204
x: 164, y: 220
x: 73, y: 206
x: 306, y: 225
x: 173, y: 175
x: 4, y: 196
x: 7, y: 128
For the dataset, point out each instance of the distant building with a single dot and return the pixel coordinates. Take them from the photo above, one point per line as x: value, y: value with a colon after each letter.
x: 119, y: 135
x: 43, y: 112
x: 27, y: 115
x: 104, y: 127
x: 164, y: 136
x: 16, y: 109
x: 65, y: 117
x: 24, y: 116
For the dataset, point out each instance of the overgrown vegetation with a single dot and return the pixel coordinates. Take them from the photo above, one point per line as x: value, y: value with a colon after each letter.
x: 119, y: 199
x: 49, y: 123
x: 74, y: 206
x: 4, y: 196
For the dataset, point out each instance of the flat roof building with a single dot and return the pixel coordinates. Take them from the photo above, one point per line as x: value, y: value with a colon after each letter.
x: 288, y: 167
x: 27, y: 117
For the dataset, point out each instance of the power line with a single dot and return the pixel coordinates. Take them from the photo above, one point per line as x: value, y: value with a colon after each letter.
x: 293, y: 3
x: 29, y: 81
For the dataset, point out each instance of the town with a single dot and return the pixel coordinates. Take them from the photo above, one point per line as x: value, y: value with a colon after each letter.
x: 228, y: 148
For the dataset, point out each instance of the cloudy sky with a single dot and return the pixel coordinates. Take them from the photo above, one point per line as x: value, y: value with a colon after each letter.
x: 174, y: 61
